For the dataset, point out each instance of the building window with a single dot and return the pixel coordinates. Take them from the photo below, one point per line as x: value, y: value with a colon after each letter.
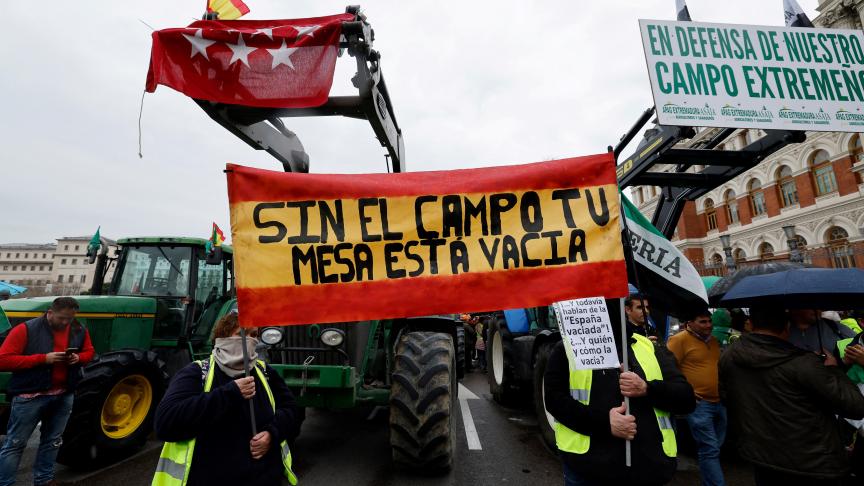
x: 711, y: 214
x: 716, y: 265
x: 839, y: 249
x: 41, y: 268
x: 766, y: 251
x: 857, y: 152
x: 65, y: 247
x: 757, y: 197
x: 800, y: 242
x: 44, y: 255
x: 83, y: 278
x: 32, y: 268
x: 26, y: 256
x: 76, y: 247
x: 786, y: 186
x: 823, y: 173
x: 14, y: 268
x: 5, y: 267
x: 17, y: 255
x: 63, y: 262
x: 75, y: 261
x: 60, y: 278
x: 731, y: 206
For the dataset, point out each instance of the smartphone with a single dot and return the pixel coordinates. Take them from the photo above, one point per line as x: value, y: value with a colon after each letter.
x: 72, y: 351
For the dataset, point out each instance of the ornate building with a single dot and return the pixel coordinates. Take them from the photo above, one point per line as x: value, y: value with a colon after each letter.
x: 808, y: 195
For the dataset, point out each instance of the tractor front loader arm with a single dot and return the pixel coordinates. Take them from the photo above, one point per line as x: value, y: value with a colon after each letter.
x: 262, y: 128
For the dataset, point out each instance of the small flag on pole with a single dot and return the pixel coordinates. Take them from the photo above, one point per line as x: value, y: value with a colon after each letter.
x: 93, y: 246
x: 227, y: 9
x: 795, y: 16
x: 216, y: 238
x: 97, y: 239
x: 682, y: 13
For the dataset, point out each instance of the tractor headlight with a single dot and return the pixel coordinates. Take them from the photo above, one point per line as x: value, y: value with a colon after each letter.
x: 332, y: 337
x: 271, y: 336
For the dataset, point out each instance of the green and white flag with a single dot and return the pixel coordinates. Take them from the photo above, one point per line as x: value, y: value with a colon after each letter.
x: 663, y: 271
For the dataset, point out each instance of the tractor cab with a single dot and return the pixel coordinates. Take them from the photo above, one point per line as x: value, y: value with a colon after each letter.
x: 189, y: 285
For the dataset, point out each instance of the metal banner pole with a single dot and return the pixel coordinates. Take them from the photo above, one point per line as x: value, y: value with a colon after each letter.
x: 625, y: 366
x: 246, y: 373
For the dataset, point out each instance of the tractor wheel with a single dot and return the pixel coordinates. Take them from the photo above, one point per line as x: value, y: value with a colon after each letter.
x: 114, y: 407
x: 422, y: 402
x: 545, y: 421
x: 499, y: 349
x: 461, y: 352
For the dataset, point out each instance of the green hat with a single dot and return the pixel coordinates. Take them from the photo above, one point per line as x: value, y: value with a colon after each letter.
x: 721, y: 318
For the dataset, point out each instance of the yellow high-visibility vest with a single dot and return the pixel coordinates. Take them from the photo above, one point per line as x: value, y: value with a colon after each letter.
x: 175, y: 461
x: 571, y: 441
x: 852, y: 323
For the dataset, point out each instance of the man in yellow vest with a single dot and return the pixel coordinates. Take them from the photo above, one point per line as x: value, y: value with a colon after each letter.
x: 591, y: 424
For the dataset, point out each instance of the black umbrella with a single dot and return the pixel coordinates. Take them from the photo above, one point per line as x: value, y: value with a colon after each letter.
x: 719, y: 289
x: 800, y: 288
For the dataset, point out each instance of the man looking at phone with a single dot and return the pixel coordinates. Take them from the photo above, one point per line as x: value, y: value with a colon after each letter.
x: 45, y: 356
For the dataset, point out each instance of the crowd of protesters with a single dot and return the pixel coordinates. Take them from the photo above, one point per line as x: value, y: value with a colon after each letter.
x: 785, y: 386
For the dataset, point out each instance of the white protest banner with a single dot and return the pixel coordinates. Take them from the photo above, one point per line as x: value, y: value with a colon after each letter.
x: 585, y: 325
x: 748, y: 76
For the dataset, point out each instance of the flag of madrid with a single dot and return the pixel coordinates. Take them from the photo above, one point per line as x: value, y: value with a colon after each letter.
x: 263, y: 63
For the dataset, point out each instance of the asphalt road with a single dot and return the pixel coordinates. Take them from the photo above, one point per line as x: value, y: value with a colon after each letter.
x: 352, y: 447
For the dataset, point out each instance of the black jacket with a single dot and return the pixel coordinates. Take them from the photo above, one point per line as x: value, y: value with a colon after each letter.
x: 604, y: 462
x: 781, y: 402
x: 219, y: 420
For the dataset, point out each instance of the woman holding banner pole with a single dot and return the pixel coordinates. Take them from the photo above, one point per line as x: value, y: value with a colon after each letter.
x: 592, y: 426
x: 207, y: 414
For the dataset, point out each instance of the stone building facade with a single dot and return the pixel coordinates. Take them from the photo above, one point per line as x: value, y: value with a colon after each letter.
x: 815, y: 187
x: 59, y: 268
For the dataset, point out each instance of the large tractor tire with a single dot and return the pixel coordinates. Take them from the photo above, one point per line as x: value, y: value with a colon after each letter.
x: 500, y: 372
x: 422, y: 402
x: 114, y: 407
x: 545, y: 421
x: 461, y: 352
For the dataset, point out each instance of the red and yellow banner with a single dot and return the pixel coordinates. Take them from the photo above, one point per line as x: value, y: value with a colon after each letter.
x: 315, y: 248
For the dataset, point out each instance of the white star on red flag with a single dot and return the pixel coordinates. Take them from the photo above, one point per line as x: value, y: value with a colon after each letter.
x: 306, y: 30
x: 199, y: 44
x: 267, y: 32
x: 240, y: 51
x: 282, y: 55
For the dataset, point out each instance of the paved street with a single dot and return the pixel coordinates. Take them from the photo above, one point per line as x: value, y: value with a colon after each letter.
x: 351, y: 447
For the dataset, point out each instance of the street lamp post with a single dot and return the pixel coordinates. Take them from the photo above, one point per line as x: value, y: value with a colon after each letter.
x: 794, y: 254
x: 727, y: 249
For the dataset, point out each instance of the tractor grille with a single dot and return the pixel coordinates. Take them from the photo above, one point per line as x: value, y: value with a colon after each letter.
x: 299, y: 337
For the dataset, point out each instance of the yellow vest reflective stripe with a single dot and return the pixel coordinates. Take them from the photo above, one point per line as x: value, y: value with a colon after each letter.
x: 852, y: 323
x: 175, y: 461
x: 573, y: 442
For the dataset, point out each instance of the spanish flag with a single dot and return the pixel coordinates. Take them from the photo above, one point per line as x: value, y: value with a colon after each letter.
x: 227, y: 9
x: 341, y: 248
x: 216, y: 238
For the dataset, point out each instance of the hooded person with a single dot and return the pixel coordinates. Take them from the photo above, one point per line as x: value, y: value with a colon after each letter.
x: 205, y: 414
x: 782, y: 403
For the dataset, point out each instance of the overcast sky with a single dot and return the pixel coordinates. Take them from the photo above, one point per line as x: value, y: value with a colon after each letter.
x: 474, y: 84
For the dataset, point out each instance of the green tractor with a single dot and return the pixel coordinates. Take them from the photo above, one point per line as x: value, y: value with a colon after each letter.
x: 158, y: 314
x: 156, y: 317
